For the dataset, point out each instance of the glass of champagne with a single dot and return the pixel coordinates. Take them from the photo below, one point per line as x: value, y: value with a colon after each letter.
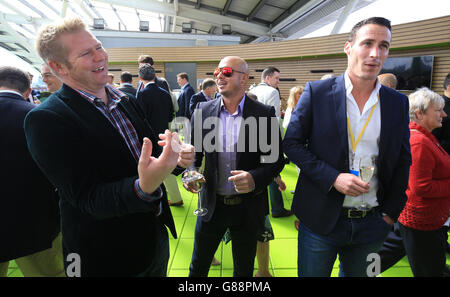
x: 366, y: 170
x: 199, y: 183
x: 192, y: 175
x: 180, y: 127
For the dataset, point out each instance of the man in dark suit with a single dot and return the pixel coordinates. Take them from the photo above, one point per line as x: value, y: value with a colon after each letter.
x: 160, y: 82
x: 126, y: 80
x: 158, y: 109
x: 29, y: 212
x: 185, y: 95
x: 154, y: 101
x: 336, y: 124
x: 95, y: 146
x: 237, y: 171
x: 208, y: 92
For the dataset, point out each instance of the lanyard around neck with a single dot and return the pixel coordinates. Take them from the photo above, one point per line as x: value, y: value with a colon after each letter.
x: 355, y: 143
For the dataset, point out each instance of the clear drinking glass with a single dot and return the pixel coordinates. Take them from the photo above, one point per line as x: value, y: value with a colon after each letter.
x: 193, y: 175
x: 366, y: 170
x: 200, y: 182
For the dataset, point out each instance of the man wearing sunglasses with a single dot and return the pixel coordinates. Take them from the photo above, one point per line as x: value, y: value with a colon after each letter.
x: 235, y: 192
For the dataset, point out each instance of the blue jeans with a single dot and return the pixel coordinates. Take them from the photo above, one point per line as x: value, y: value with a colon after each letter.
x: 352, y: 239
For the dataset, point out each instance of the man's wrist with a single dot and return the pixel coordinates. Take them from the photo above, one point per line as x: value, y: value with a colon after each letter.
x: 149, y: 197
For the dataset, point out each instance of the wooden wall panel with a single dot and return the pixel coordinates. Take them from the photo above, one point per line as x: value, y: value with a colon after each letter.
x: 296, y: 58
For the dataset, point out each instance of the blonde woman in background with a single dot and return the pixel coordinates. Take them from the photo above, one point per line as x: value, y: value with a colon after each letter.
x: 294, y: 96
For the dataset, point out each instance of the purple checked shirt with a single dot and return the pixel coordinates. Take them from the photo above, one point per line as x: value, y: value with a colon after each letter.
x: 229, y: 134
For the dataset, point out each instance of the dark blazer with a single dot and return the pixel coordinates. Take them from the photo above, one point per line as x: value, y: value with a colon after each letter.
x: 86, y: 158
x: 130, y: 91
x: 162, y: 83
x: 29, y: 212
x: 196, y: 99
x: 183, y: 101
x: 157, y: 106
x: 316, y: 141
x: 249, y: 160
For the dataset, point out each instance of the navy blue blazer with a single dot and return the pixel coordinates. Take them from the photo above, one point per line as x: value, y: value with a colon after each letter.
x: 316, y: 141
x: 196, y: 99
x: 183, y: 101
x: 157, y: 106
x: 29, y: 212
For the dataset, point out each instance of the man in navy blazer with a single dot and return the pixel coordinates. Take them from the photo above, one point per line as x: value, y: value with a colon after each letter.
x: 336, y: 123
x: 154, y: 101
x: 29, y: 212
x: 97, y: 148
x: 185, y: 95
x: 208, y: 92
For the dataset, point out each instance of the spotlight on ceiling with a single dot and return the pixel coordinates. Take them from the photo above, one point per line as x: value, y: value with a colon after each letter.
x: 226, y: 29
x: 99, y: 24
x: 186, y: 27
x: 143, y: 26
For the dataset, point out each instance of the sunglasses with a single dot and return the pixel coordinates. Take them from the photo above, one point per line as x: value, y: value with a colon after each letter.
x: 226, y: 71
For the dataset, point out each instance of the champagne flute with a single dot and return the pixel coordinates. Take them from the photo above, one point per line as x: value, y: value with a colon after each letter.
x: 200, y: 211
x: 366, y: 170
x: 192, y: 175
x: 179, y: 126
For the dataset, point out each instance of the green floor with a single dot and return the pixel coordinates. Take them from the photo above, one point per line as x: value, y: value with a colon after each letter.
x: 283, y: 250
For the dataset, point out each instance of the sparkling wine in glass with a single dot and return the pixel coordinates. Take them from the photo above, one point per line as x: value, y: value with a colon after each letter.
x: 366, y: 170
x: 199, y: 182
x: 181, y: 128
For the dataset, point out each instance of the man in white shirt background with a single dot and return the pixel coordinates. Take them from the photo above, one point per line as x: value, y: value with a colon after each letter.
x: 268, y: 94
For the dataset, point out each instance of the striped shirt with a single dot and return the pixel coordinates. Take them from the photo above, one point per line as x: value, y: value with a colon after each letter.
x: 125, y: 128
x: 116, y: 117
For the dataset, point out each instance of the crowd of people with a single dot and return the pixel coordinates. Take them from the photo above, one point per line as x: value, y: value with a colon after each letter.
x: 92, y: 170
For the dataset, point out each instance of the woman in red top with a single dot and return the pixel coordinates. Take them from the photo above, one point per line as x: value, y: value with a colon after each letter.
x: 422, y: 221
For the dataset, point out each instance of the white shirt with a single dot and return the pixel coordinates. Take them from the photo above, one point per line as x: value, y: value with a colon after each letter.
x: 287, y: 117
x: 368, y: 144
x: 269, y: 96
x: 11, y: 91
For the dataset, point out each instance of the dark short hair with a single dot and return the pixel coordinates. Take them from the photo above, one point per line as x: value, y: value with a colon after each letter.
x: 447, y: 81
x: 208, y: 83
x: 14, y: 78
x: 269, y: 71
x: 373, y: 20
x: 147, y: 72
x: 145, y: 59
x: 183, y: 75
x: 126, y: 77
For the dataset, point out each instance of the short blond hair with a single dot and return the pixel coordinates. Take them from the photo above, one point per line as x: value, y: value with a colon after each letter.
x: 48, y: 43
x: 421, y: 100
